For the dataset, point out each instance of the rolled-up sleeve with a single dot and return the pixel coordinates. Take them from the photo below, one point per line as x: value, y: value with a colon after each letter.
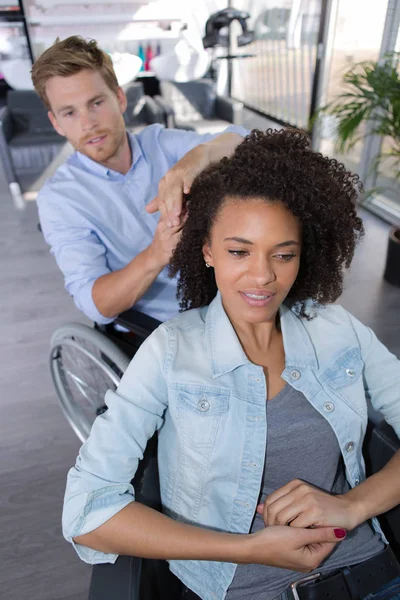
x: 99, y: 485
x: 80, y: 256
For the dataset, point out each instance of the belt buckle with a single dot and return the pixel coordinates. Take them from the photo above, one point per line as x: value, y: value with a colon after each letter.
x: 296, y: 584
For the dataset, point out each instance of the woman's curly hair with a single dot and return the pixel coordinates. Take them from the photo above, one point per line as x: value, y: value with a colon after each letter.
x: 278, y: 166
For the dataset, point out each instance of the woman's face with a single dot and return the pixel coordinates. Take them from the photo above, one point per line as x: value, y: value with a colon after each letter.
x: 255, y: 249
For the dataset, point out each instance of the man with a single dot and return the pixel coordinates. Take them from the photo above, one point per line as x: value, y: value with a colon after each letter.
x: 97, y: 212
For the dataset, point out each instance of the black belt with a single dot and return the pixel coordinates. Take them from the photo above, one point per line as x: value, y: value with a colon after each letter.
x: 350, y: 583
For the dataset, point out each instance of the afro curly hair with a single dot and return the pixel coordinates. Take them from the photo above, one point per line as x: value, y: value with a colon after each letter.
x: 278, y: 166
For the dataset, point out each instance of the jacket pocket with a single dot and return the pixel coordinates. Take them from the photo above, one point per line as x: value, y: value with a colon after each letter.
x: 346, y: 370
x: 200, y: 410
x: 345, y: 379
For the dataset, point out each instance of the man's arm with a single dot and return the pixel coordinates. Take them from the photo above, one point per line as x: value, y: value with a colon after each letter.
x: 118, y: 291
x: 178, y: 180
x: 82, y: 258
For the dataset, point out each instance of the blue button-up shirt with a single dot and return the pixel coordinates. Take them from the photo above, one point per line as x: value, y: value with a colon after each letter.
x: 94, y: 219
x: 192, y: 381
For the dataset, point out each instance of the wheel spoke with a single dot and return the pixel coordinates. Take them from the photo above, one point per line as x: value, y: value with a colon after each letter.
x: 84, y: 374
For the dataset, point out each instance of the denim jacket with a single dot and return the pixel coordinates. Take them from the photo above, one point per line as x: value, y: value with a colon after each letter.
x: 192, y: 381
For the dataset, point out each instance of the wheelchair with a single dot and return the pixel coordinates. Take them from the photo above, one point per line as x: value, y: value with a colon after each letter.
x: 84, y: 363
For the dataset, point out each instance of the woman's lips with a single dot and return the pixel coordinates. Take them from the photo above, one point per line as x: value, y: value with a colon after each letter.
x: 258, y: 299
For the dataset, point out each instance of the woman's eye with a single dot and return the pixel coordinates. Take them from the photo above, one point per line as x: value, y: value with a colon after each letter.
x: 285, y: 257
x: 238, y: 253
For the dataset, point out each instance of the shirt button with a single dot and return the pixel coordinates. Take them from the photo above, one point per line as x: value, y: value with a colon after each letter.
x: 356, y: 481
x: 350, y: 372
x: 350, y: 446
x: 295, y: 374
x: 203, y: 405
x: 329, y: 407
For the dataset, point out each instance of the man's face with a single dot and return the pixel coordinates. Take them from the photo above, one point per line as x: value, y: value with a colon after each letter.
x: 88, y: 113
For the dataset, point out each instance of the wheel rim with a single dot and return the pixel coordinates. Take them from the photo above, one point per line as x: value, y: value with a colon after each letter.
x: 82, y: 374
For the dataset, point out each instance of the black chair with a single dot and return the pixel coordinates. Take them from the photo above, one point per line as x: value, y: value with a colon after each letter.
x: 380, y: 444
x: 142, y: 110
x: 196, y: 106
x: 28, y: 142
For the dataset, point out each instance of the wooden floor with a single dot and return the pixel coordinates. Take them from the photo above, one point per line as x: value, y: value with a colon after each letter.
x: 37, y: 446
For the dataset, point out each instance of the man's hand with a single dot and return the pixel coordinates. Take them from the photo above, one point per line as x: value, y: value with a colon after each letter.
x: 293, y: 548
x: 299, y: 504
x: 178, y: 180
x: 164, y: 243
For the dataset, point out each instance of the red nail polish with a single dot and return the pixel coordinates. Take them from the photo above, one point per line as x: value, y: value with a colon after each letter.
x: 340, y: 533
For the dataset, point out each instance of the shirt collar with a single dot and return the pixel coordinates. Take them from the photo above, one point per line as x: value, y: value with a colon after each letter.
x: 98, y: 169
x: 227, y: 353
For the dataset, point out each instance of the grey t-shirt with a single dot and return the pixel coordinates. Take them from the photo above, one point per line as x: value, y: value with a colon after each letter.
x: 300, y: 445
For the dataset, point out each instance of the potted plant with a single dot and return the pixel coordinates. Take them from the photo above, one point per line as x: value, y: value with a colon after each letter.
x: 370, y: 105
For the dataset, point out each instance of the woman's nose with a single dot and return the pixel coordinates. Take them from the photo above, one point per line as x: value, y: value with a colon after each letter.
x: 261, y: 271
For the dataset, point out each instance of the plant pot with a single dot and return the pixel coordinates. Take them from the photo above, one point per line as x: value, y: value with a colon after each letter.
x: 392, y: 270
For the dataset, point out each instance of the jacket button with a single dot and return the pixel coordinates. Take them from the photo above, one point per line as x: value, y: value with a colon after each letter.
x: 295, y: 374
x: 350, y: 446
x: 350, y: 372
x: 203, y: 405
x: 329, y: 407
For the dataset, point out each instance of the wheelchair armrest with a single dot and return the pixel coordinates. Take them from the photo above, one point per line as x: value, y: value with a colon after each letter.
x: 380, y: 444
x: 137, y: 322
x: 119, y: 580
x: 168, y: 111
x: 229, y: 110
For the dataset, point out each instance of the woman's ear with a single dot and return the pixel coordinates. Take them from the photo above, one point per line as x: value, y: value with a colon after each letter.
x: 207, y: 255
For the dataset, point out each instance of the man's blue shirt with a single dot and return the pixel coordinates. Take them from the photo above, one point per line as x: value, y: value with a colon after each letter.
x: 94, y: 219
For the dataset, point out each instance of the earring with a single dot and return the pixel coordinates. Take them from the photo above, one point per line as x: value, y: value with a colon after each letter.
x: 208, y: 265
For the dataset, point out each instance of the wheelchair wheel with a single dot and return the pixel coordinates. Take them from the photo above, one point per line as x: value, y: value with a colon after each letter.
x: 84, y: 364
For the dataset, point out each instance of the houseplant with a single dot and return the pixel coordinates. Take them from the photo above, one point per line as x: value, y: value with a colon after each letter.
x: 370, y: 105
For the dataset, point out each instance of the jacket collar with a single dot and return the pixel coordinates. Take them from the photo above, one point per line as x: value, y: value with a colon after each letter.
x: 299, y: 349
x: 227, y: 354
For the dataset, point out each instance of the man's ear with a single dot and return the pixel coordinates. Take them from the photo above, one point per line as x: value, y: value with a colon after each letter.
x: 122, y: 100
x: 53, y: 121
x: 207, y: 254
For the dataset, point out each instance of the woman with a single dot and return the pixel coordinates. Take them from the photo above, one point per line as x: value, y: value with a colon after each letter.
x: 259, y: 397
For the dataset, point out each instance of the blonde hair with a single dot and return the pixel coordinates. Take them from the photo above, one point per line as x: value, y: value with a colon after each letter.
x: 68, y: 57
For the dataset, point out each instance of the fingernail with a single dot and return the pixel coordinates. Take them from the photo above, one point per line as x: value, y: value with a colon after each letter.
x: 169, y: 223
x: 340, y: 533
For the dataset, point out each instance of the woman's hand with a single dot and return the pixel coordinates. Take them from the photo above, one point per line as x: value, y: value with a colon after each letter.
x: 299, y: 504
x: 293, y: 548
